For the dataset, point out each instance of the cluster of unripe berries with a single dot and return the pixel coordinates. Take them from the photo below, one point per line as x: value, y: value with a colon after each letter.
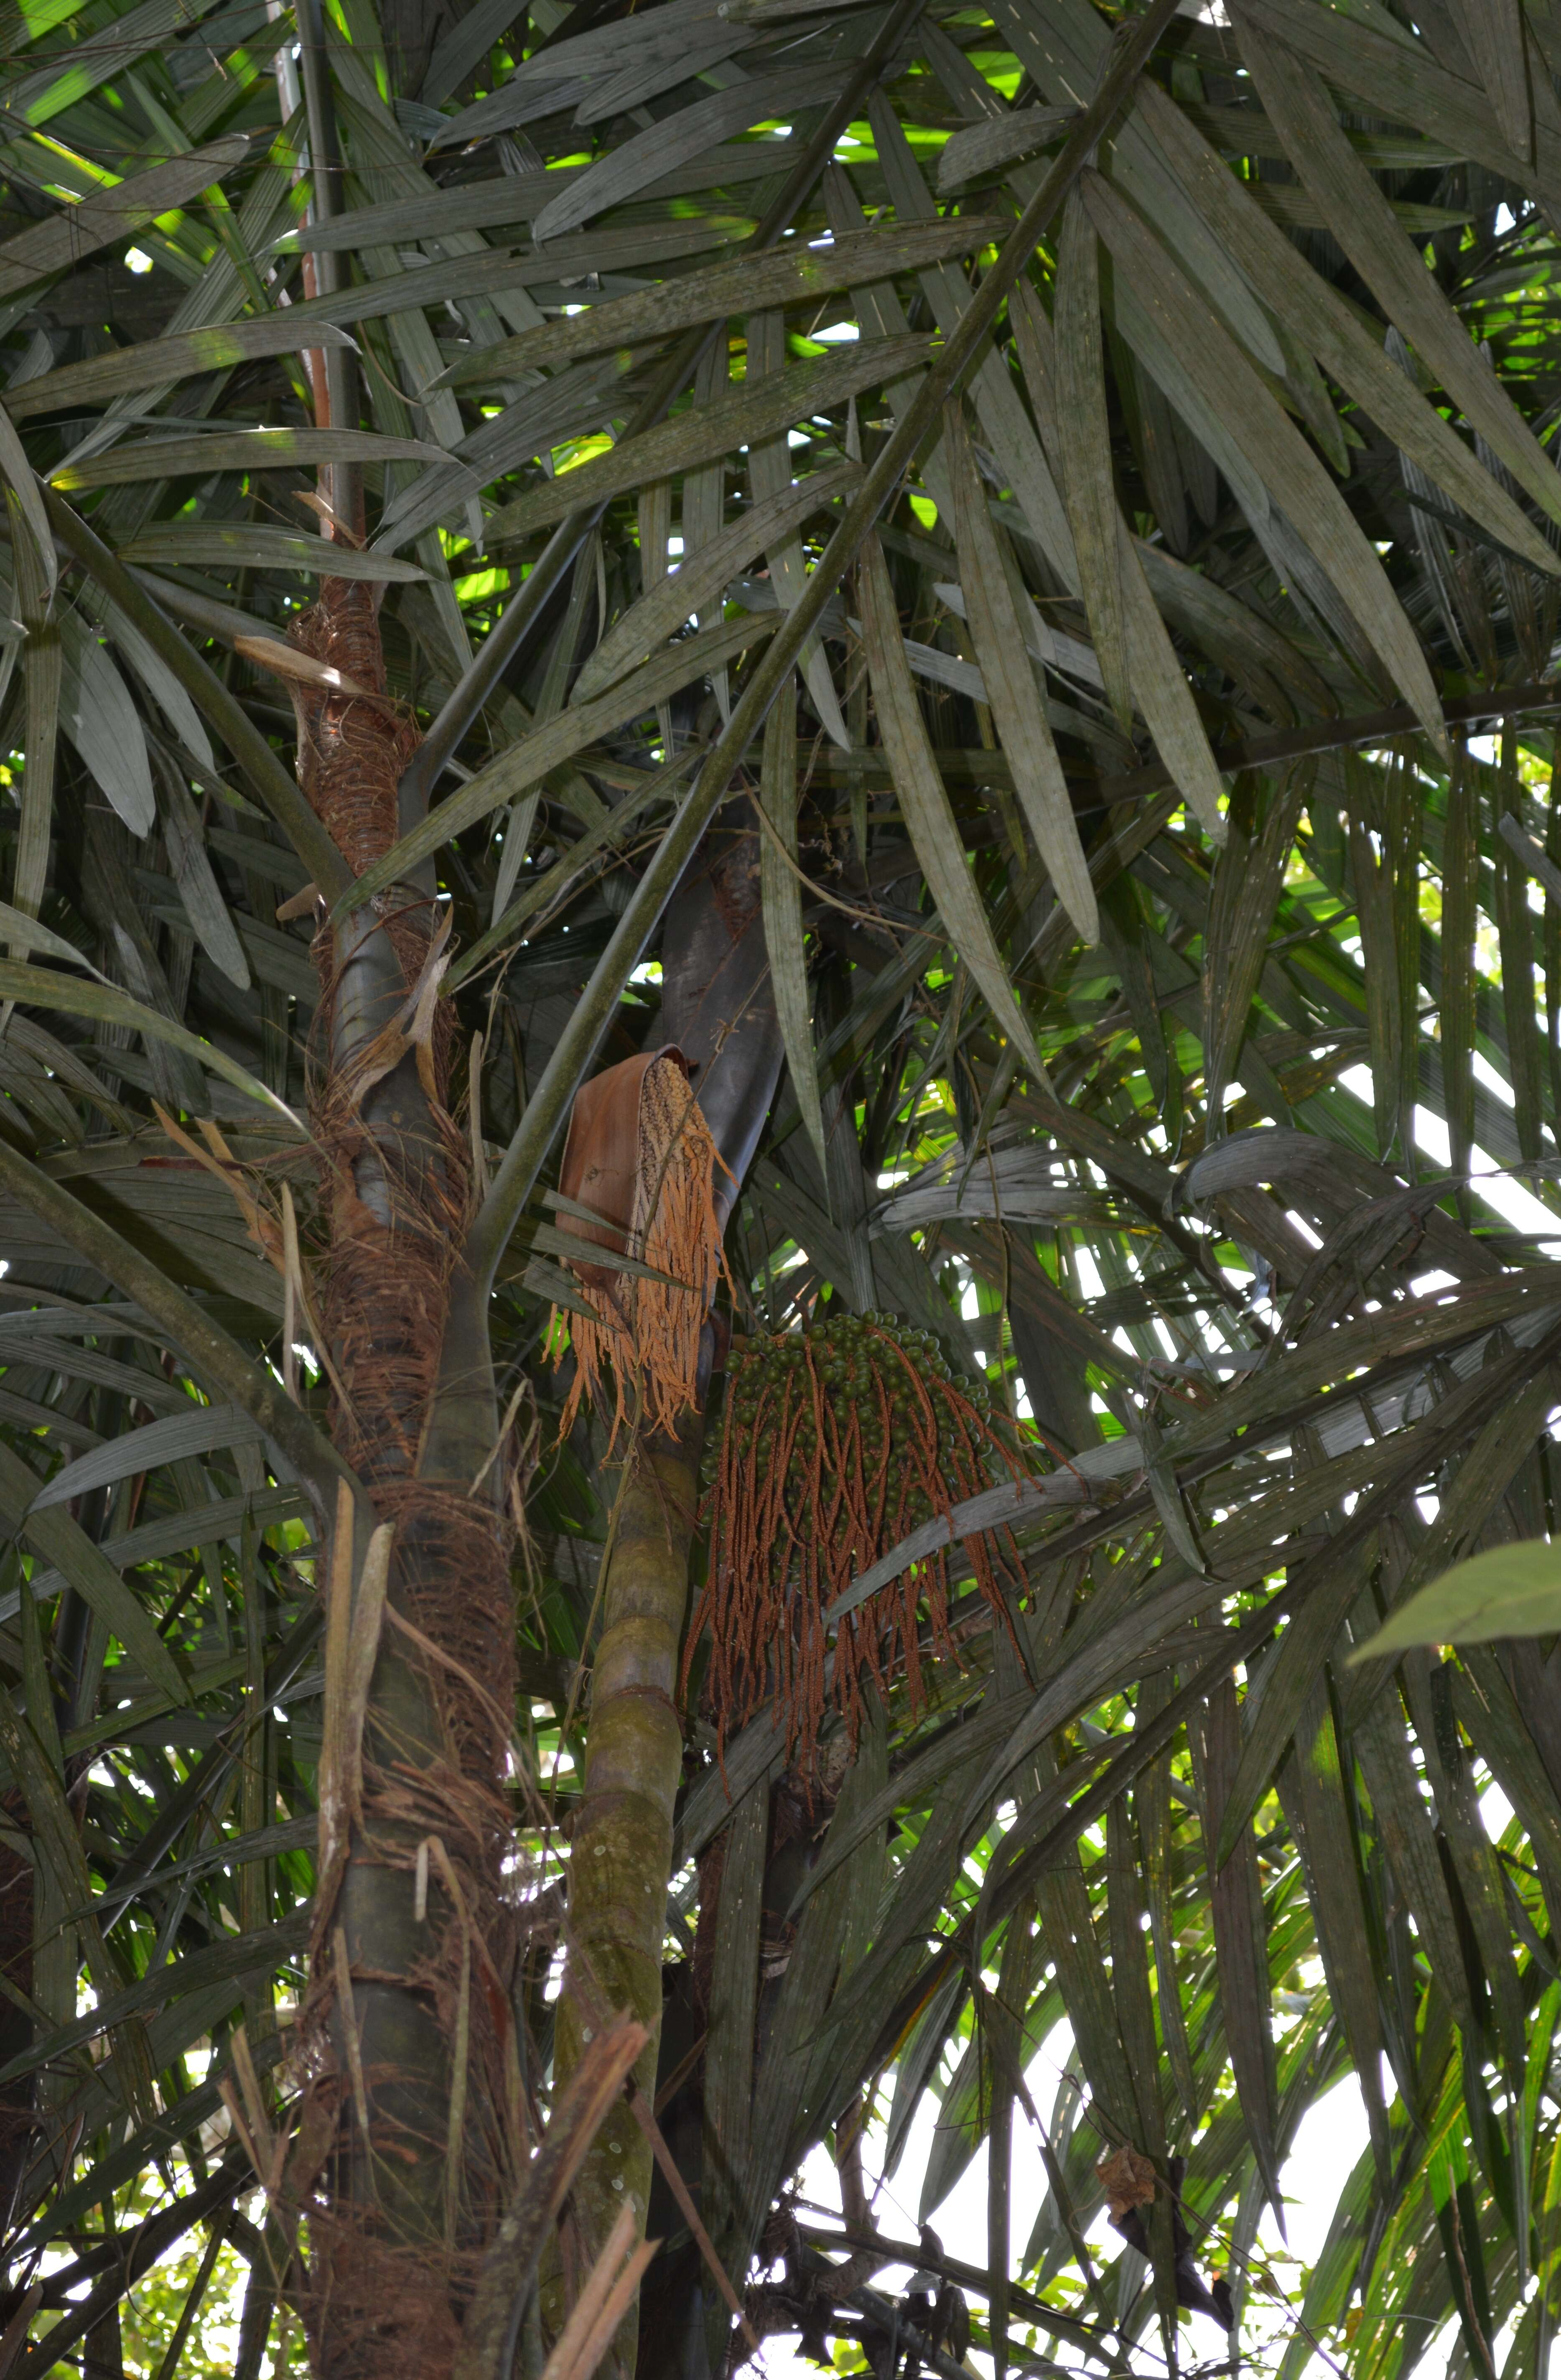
x: 852, y: 1357
x: 836, y: 1442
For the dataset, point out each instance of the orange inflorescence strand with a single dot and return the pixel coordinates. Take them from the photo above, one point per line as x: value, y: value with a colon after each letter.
x: 836, y: 1443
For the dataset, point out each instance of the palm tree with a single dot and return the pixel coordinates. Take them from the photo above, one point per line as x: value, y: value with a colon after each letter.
x: 988, y: 576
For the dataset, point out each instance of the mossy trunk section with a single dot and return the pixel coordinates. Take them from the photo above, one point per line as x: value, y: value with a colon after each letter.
x: 622, y: 1848
x: 717, y: 1006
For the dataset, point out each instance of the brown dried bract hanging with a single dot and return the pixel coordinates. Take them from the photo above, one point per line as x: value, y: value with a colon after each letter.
x: 1128, y: 2178
x: 836, y: 1443
x: 640, y: 1158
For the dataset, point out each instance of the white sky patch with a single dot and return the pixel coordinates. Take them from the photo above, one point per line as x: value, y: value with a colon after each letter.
x: 1089, y: 1273
x: 1504, y: 1196
x: 1486, y: 1074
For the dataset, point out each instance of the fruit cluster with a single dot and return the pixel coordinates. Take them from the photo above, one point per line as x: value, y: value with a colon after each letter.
x: 836, y: 1442
x: 870, y: 1362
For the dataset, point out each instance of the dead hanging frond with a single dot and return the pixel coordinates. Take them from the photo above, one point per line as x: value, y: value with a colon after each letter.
x: 218, y: 1159
x: 412, y: 1027
x: 638, y: 1179
x: 836, y: 1443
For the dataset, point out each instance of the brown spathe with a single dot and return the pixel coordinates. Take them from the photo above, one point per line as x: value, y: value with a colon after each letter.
x: 640, y: 1157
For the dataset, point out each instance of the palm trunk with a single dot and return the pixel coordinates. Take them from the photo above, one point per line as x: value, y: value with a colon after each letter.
x: 717, y: 1006
x: 622, y: 1843
x: 409, y: 2093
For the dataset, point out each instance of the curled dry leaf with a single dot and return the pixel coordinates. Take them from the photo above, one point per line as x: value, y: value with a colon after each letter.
x: 286, y: 660
x: 1128, y: 2178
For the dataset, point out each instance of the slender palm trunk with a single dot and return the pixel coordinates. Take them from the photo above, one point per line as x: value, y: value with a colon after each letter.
x: 413, y: 2129
x: 408, y: 2130
x: 622, y: 1843
x: 717, y: 1006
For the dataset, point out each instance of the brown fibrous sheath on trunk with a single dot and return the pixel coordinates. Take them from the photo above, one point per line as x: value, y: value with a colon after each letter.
x: 392, y: 2249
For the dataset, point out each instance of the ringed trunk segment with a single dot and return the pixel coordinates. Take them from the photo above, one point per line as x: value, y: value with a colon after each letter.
x: 412, y: 2132
x: 717, y: 1005
x: 621, y: 1847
